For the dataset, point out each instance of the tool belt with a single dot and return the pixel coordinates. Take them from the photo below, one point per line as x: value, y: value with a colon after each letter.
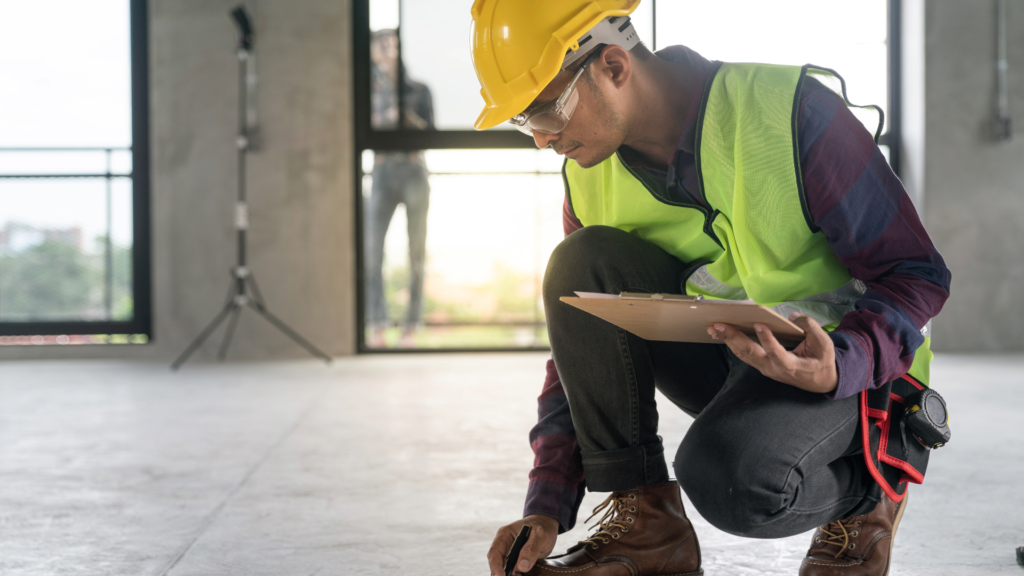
x: 893, y: 455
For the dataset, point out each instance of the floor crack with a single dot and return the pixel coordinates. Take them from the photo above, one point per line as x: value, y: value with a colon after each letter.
x: 313, y: 403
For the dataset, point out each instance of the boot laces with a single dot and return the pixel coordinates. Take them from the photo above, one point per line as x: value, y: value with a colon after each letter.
x: 838, y: 533
x: 614, y: 507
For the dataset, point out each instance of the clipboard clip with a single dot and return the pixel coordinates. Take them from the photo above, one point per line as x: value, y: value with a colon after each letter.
x: 660, y: 297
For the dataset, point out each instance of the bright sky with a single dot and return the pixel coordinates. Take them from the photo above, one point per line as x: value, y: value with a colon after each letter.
x: 848, y: 37
x: 65, y: 66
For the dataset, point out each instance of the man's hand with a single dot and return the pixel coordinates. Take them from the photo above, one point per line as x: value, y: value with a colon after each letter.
x: 543, y: 533
x: 810, y: 366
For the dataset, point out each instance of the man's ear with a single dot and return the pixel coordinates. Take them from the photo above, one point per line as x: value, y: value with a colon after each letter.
x: 615, y: 64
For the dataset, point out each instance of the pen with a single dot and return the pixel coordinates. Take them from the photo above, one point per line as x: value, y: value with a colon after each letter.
x: 517, y: 546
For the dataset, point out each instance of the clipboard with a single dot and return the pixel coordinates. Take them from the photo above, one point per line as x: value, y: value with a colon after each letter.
x: 680, y: 318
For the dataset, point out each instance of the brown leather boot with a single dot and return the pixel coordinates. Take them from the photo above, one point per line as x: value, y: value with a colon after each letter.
x: 643, y: 532
x: 858, y: 546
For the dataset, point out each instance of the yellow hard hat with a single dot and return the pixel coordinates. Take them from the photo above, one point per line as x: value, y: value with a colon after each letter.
x: 519, y: 46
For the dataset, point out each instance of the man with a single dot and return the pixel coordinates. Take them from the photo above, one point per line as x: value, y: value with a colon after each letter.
x: 728, y: 181
x: 398, y: 178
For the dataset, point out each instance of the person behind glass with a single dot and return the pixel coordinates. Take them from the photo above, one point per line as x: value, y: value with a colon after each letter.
x: 399, y: 177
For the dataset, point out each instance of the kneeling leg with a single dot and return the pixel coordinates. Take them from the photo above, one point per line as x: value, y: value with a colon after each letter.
x: 768, y: 460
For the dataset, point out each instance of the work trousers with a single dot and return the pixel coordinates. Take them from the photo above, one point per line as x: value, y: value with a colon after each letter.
x: 761, y: 459
x: 394, y: 183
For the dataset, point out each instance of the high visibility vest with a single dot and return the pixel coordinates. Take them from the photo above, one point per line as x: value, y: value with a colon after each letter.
x: 757, y: 240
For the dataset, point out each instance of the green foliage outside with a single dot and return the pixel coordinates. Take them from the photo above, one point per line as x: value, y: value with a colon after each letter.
x: 510, y: 297
x: 483, y: 336
x: 123, y: 303
x: 55, y: 281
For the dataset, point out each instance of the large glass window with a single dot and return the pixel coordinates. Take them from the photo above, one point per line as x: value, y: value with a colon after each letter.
x: 73, y: 173
x: 457, y: 226
x: 472, y: 277
x: 852, y: 40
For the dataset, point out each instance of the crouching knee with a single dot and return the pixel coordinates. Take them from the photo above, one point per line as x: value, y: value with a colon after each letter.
x: 583, y: 260
x: 731, y: 496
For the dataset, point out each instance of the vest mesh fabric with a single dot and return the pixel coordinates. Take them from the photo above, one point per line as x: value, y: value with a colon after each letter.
x: 758, y: 239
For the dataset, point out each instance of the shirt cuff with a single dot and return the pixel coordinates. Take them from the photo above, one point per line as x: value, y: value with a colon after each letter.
x: 556, y: 499
x: 853, y: 366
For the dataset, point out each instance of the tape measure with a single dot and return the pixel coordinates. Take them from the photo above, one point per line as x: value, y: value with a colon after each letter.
x: 927, y: 418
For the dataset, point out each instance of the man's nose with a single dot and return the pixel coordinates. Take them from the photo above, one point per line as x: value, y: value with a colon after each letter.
x: 543, y: 140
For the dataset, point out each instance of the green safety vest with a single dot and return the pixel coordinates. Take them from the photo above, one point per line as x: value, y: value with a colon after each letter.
x: 757, y: 241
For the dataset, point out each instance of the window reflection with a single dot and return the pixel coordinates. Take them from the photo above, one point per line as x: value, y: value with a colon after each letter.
x: 495, y: 217
x: 65, y: 108
x: 435, y: 48
x: 414, y: 107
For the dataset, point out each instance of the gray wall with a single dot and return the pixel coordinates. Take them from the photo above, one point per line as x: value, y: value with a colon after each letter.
x: 302, y: 239
x: 973, y: 198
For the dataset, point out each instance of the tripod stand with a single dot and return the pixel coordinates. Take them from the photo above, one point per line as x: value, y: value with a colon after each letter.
x: 243, y: 291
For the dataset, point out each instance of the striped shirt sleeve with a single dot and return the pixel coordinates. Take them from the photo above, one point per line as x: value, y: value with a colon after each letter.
x: 873, y: 227
x: 556, y: 481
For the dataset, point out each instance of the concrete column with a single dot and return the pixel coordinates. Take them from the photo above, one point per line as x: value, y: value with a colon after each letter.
x: 973, y: 185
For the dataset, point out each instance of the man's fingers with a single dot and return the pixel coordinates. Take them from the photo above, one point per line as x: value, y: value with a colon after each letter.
x: 740, y: 344
x: 804, y: 322
x: 816, y: 357
x: 528, y: 556
x: 775, y: 352
x: 496, y: 555
x: 496, y: 562
x: 814, y: 335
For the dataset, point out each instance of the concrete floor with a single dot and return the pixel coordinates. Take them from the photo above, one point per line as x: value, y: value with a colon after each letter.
x: 389, y: 465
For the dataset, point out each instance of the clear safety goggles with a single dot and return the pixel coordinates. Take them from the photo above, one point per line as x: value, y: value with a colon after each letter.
x: 552, y: 117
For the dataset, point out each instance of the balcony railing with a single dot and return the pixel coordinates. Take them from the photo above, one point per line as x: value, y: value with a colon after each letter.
x: 106, y: 173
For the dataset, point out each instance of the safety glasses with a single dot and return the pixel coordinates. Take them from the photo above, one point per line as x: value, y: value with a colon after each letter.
x: 552, y: 117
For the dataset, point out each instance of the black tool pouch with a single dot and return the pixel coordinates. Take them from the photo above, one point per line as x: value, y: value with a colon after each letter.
x: 894, y: 457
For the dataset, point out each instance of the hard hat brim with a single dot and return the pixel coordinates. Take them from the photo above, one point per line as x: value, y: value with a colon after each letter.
x: 533, y: 82
x: 491, y: 116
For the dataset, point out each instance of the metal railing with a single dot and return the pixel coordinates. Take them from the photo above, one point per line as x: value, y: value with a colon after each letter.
x: 109, y: 175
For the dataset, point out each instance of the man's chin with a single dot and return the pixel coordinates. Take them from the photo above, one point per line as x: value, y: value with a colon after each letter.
x: 590, y: 160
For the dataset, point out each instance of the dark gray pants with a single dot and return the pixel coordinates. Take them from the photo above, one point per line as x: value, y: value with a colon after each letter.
x: 762, y: 459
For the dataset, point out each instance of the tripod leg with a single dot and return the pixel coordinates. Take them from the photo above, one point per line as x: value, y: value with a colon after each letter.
x: 236, y: 311
x: 251, y: 280
x: 228, y: 307
x: 289, y: 332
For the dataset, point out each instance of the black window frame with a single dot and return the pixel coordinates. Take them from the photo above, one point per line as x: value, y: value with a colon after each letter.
x: 142, y: 321
x: 893, y: 135
x: 367, y: 138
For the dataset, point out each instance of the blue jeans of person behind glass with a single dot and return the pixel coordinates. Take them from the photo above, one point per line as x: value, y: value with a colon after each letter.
x: 396, y: 182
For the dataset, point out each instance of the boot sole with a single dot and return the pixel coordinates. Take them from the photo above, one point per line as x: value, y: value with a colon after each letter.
x: 699, y: 572
x: 895, y: 526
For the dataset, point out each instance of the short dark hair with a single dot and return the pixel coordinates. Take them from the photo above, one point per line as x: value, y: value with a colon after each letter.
x: 639, y: 51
